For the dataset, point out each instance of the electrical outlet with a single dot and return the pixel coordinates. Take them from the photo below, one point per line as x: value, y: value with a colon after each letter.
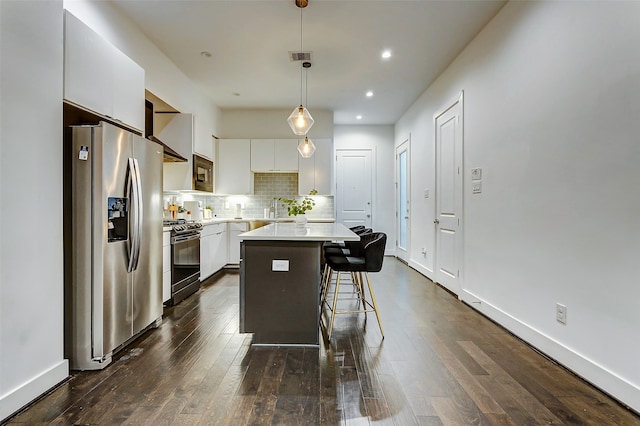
x: 476, y: 174
x: 280, y: 265
x: 476, y: 188
x: 561, y: 313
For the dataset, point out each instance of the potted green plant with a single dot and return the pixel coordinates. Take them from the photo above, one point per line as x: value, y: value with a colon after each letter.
x: 298, y: 208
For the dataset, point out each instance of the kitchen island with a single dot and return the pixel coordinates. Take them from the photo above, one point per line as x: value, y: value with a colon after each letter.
x: 280, y: 281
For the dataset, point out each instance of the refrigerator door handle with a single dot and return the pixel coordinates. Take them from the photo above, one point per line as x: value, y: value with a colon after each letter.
x: 139, y: 214
x: 132, y: 193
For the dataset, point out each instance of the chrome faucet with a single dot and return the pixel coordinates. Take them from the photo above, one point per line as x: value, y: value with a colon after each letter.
x: 274, y: 208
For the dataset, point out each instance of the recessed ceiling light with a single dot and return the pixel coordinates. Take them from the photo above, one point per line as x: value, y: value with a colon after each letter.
x: 386, y: 54
x: 205, y: 54
x: 236, y: 94
x: 369, y: 93
x: 358, y: 117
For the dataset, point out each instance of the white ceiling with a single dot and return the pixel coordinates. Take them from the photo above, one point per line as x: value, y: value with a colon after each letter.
x: 250, y: 41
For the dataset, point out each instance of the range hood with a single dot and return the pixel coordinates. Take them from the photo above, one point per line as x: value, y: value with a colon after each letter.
x: 170, y: 156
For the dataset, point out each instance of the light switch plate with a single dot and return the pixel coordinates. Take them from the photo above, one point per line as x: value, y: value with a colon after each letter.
x: 476, y: 187
x: 426, y: 193
x: 476, y: 174
x: 280, y: 265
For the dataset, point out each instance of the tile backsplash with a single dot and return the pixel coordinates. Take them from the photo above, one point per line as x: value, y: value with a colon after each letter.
x: 267, y: 187
x: 275, y: 184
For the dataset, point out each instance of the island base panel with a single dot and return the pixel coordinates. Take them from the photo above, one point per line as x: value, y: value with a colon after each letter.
x: 280, y: 307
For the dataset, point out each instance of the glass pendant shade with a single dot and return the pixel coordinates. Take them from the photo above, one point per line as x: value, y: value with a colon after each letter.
x: 300, y: 121
x: 306, y: 148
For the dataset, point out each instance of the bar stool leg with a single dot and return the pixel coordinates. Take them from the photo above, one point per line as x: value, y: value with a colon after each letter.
x: 363, y: 296
x: 326, y: 283
x: 375, y: 305
x: 335, y: 305
x: 323, y: 278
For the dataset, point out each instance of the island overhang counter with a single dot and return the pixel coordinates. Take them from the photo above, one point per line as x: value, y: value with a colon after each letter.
x: 280, y: 281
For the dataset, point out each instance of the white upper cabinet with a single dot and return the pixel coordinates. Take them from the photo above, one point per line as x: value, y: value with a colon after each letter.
x: 204, y: 146
x: 316, y: 172
x: 261, y: 155
x: 100, y: 78
x: 87, y: 69
x: 128, y: 90
x: 274, y: 155
x: 285, y: 155
x: 233, y: 167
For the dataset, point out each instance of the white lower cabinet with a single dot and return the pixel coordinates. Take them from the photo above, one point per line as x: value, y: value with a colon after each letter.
x: 213, y: 249
x: 166, y: 266
x: 219, y: 246
x: 234, y: 241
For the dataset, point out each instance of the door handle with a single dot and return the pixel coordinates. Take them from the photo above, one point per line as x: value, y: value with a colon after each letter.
x: 368, y: 215
x: 406, y: 217
x: 132, y: 192
x: 436, y: 221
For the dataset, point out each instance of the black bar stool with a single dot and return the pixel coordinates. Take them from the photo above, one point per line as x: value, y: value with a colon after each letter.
x: 349, y: 248
x: 370, y: 260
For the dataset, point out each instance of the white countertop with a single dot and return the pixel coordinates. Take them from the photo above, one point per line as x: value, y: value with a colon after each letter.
x: 270, y: 220
x: 285, y: 231
x: 215, y: 220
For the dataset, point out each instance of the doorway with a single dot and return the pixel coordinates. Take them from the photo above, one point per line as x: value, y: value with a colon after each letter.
x: 354, y: 187
x: 448, y: 217
x: 403, y: 205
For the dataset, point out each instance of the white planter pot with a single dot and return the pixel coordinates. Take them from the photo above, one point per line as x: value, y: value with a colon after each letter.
x: 301, y: 220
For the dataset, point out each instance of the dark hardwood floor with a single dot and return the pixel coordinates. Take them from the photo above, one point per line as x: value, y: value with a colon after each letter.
x: 440, y: 363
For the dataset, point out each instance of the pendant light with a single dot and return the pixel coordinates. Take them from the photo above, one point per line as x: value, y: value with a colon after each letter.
x: 300, y: 119
x: 306, y: 148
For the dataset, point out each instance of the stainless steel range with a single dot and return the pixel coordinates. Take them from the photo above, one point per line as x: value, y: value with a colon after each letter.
x: 185, y: 259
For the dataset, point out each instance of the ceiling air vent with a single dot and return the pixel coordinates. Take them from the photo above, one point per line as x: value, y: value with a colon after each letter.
x: 300, y: 56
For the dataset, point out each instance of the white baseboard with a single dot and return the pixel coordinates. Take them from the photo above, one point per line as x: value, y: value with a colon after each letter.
x: 600, y: 377
x: 19, y: 397
x: 422, y: 269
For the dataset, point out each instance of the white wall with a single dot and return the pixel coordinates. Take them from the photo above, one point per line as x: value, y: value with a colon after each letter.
x: 162, y: 77
x: 551, y: 108
x: 271, y: 124
x: 31, y: 269
x: 380, y: 140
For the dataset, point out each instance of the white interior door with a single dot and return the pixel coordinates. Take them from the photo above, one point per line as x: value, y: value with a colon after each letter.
x: 448, y: 218
x: 403, y: 210
x: 353, y: 187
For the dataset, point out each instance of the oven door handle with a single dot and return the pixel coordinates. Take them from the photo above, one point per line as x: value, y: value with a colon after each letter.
x: 183, y: 238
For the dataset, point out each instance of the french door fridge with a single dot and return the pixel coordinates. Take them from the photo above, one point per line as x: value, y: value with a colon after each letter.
x: 113, y: 268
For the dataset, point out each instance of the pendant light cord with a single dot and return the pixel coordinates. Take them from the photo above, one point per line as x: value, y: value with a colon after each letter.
x: 301, y: 51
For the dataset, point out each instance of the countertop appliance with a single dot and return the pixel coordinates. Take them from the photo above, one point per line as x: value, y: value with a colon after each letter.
x: 185, y: 259
x: 113, y: 241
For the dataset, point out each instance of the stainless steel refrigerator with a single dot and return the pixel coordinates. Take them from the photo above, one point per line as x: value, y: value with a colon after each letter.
x: 113, y: 251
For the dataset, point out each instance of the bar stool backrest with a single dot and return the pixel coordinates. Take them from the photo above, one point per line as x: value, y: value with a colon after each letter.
x: 356, y: 247
x: 374, y: 246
